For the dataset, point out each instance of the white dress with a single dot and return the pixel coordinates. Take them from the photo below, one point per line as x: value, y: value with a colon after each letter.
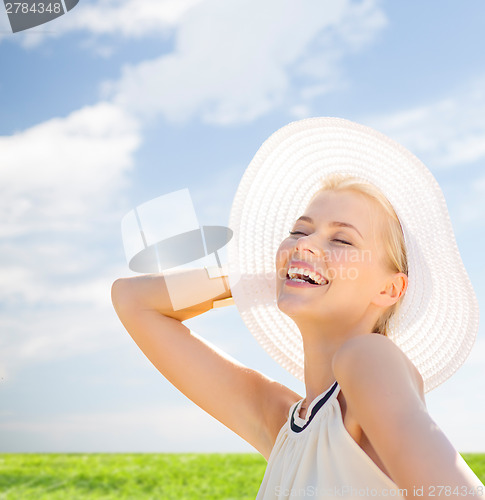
x: 316, y: 457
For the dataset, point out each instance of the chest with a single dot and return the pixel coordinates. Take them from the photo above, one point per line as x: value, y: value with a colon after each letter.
x: 357, y: 434
x: 328, y: 437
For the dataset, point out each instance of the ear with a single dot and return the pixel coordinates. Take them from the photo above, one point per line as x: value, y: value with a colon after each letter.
x: 393, y: 289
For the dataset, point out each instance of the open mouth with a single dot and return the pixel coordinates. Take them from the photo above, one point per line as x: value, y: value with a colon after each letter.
x: 299, y: 275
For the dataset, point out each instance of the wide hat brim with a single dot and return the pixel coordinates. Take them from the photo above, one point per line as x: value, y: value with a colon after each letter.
x: 437, y: 322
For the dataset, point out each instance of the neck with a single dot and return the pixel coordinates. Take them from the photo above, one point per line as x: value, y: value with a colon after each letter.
x: 318, y: 367
x: 320, y: 346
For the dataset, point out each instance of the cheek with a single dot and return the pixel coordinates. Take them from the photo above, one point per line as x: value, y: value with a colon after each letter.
x: 350, y: 264
x: 283, y: 254
x: 342, y: 258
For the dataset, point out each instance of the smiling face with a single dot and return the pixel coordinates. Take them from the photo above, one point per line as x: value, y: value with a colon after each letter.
x: 340, y: 237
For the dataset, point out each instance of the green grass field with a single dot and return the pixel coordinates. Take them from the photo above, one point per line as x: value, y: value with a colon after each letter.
x: 162, y: 476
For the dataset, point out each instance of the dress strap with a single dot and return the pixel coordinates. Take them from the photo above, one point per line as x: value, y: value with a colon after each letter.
x: 297, y: 428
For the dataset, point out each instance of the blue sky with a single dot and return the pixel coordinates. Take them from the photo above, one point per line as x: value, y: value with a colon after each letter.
x: 121, y: 101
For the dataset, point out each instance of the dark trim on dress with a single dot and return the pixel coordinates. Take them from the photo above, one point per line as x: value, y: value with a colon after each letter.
x: 297, y: 428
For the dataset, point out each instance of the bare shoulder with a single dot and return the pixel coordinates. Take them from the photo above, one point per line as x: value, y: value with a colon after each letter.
x: 384, y: 396
x: 375, y: 363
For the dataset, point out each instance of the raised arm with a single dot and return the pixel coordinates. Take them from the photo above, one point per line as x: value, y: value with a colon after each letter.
x: 384, y: 395
x: 252, y: 405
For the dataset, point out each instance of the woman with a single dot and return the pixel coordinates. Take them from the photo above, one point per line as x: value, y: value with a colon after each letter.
x: 365, y: 299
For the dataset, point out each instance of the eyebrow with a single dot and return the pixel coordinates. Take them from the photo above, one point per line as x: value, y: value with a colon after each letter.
x: 333, y: 223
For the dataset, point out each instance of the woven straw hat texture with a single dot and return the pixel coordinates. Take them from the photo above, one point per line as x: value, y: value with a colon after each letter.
x: 437, y: 322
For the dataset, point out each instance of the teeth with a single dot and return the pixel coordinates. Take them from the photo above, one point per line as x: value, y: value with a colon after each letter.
x: 293, y: 271
x: 298, y: 279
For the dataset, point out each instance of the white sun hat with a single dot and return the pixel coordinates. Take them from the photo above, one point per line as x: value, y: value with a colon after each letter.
x: 437, y: 322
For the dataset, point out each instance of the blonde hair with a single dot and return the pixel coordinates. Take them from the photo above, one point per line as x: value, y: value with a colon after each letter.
x: 393, y: 237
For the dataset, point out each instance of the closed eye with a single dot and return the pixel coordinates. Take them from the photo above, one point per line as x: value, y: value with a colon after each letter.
x: 341, y: 241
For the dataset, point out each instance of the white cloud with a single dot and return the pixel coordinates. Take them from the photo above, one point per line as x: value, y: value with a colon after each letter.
x: 456, y: 407
x: 476, y: 359
x: 128, y: 18
x: 57, y: 174
x: 471, y: 209
x: 121, y: 18
x: 61, y: 200
x: 235, y: 61
x: 168, y: 427
x: 232, y: 61
x: 300, y: 111
x: 35, y: 335
x: 449, y: 132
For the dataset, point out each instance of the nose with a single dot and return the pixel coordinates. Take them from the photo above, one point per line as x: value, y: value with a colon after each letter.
x: 306, y: 244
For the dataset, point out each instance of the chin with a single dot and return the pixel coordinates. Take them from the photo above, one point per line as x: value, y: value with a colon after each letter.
x: 294, y: 306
